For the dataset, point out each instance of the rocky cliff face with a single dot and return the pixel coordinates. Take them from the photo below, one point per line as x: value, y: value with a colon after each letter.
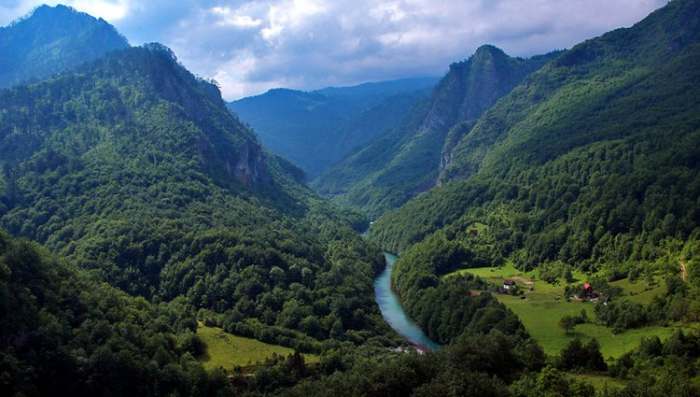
x: 477, y: 84
x: 470, y: 87
x: 226, y: 148
x: 251, y: 168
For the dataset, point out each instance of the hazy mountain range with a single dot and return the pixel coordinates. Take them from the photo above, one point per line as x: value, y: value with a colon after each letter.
x: 317, y: 129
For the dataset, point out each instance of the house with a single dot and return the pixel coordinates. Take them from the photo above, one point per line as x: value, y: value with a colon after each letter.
x: 587, y: 293
x: 587, y: 289
x: 509, y: 285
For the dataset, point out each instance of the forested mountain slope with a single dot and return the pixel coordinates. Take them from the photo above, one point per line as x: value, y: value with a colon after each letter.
x: 406, y: 161
x: 593, y: 160
x: 592, y: 163
x: 52, y: 40
x: 316, y: 129
x: 134, y: 169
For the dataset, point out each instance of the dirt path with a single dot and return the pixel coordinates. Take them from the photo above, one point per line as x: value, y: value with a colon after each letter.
x: 522, y: 280
x: 684, y: 270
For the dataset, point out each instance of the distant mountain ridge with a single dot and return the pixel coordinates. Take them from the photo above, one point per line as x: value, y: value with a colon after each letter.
x: 316, y: 129
x: 51, y: 40
x: 397, y: 166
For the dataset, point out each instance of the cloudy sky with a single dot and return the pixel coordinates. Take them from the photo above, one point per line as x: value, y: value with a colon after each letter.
x: 249, y: 46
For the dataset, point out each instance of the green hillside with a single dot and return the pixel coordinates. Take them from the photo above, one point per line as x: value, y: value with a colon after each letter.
x: 590, y: 164
x: 224, y: 350
x: 582, y: 153
x: 546, y: 214
x: 134, y: 169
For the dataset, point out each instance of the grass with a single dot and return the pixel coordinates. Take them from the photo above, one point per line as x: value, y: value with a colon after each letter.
x: 640, y: 291
x: 544, y: 305
x: 229, y: 351
x: 600, y: 382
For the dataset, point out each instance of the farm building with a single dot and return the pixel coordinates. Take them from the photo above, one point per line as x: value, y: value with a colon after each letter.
x: 587, y: 293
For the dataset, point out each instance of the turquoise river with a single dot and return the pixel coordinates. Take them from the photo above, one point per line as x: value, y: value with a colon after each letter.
x: 393, y: 312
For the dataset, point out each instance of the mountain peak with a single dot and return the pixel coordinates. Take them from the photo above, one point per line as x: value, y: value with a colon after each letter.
x: 61, y: 14
x: 483, y: 54
x: 489, y: 49
x: 50, y: 40
x: 45, y: 9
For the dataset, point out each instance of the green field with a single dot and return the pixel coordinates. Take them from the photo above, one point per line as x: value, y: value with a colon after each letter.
x: 600, y: 382
x: 640, y: 291
x: 544, y: 305
x: 229, y: 351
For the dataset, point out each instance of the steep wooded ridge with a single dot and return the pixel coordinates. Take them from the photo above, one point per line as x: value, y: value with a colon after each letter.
x: 592, y: 162
x: 52, y: 40
x: 317, y: 129
x: 601, y: 142
x: 402, y: 163
x: 134, y: 169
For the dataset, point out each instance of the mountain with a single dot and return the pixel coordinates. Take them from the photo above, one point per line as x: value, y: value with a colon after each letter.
x: 601, y: 142
x: 590, y: 166
x: 51, y: 40
x: 406, y: 161
x: 318, y: 128
x: 135, y: 171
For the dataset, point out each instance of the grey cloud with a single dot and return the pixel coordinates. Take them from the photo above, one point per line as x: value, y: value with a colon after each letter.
x: 253, y: 45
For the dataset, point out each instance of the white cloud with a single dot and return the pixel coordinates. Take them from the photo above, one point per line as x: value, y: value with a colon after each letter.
x: 232, y: 18
x: 112, y: 11
x: 392, y: 11
x: 289, y: 16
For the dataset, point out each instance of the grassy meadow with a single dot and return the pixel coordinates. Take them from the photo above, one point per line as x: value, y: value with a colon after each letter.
x: 230, y: 351
x: 543, y: 305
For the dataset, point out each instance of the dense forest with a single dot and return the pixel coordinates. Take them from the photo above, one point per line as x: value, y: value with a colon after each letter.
x: 134, y: 169
x: 590, y: 164
x: 59, y: 326
x: 442, y: 305
x: 596, y: 187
